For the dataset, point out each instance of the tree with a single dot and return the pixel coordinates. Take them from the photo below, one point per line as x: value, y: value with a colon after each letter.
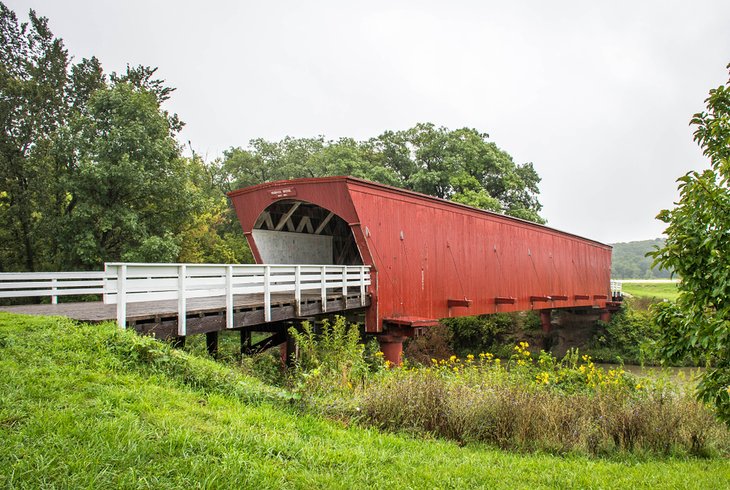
x: 698, y: 249
x: 461, y: 165
x: 127, y: 184
x: 34, y: 90
x: 90, y: 170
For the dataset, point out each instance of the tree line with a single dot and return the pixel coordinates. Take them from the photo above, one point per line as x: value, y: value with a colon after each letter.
x: 630, y: 260
x: 91, y: 171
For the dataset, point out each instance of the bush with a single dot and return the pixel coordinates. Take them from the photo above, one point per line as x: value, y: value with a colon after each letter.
x: 478, y: 333
x: 331, y: 360
x: 434, y: 343
x: 628, y: 337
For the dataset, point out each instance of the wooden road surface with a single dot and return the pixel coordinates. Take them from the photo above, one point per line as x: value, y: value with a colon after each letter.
x: 203, y: 314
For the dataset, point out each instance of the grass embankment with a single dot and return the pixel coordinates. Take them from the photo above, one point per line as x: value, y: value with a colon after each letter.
x: 90, y: 406
x: 652, y: 290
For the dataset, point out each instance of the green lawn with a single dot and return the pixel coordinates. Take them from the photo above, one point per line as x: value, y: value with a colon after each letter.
x: 91, y: 407
x: 659, y: 290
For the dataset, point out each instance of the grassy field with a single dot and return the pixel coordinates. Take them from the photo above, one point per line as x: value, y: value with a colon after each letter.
x: 659, y: 290
x: 90, y: 406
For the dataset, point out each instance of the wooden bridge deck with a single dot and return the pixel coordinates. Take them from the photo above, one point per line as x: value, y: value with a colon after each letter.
x: 204, y: 315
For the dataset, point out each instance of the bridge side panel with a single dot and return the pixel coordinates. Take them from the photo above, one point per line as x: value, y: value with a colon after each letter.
x: 435, y: 257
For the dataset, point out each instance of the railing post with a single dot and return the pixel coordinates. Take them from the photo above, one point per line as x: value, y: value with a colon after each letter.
x: 54, y: 290
x: 229, y: 296
x: 122, y: 296
x: 298, y: 290
x: 182, y: 326
x: 344, y: 283
x: 324, y: 288
x: 267, y: 293
x: 105, y: 284
x: 362, y: 285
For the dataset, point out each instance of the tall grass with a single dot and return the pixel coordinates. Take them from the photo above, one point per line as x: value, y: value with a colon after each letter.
x: 543, y: 404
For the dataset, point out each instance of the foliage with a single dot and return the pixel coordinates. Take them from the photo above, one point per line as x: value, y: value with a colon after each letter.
x: 435, y: 342
x: 698, y: 249
x: 126, y: 182
x: 542, y: 404
x: 489, y: 332
x: 90, y: 167
x: 461, y: 165
x: 72, y: 415
x: 629, y: 337
x: 38, y: 93
x: 630, y: 261
x: 331, y: 358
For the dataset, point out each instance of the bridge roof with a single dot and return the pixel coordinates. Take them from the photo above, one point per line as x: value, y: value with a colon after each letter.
x: 396, y: 191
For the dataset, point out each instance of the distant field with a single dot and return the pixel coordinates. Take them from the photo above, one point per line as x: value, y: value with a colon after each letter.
x: 651, y: 289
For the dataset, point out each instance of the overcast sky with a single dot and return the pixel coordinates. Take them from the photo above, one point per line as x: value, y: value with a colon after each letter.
x: 598, y: 95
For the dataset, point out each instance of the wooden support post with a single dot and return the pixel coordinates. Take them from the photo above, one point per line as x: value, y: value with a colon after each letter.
x: 54, y: 290
x: 344, y: 281
x: 545, y: 319
x: 211, y: 343
x: 298, y: 290
x: 288, y: 350
x: 122, y: 296
x: 245, y: 341
x: 182, y: 305
x: 267, y: 293
x: 362, y: 285
x: 324, y: 288
x: 229, y: 297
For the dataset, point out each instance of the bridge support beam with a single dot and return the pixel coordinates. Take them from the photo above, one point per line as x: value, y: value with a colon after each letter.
x: 545, y: 320
x: 392, y: 348
x: 605, y: 316
x: 288, y: 350
x: 245, y: 341
x: 211, y: 343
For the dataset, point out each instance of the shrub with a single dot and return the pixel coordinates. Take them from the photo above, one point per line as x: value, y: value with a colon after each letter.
x: 479, y: 333
x: 434, y: 343
x: 329, y: 360
x: 628, y: 337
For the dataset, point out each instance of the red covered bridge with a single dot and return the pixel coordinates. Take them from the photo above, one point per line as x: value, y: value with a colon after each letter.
x: 430, y: 258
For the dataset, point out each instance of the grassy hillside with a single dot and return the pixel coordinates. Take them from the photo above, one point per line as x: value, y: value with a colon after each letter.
x: 90, y: 406
x: 629, y: 260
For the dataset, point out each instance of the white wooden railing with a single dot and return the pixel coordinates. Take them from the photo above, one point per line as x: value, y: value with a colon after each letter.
x: 131, y: 283
x: 124, y: 283
x: 53, y: 284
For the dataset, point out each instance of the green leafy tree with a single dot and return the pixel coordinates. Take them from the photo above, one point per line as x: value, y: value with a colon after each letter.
x: 461, y: 165
x: 128, y: 182
x: 38, y: 93
x: 698, y: 249
x: 90, y: 170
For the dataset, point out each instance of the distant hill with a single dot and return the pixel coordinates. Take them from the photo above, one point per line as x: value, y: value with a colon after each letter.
x: 630, y: 261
